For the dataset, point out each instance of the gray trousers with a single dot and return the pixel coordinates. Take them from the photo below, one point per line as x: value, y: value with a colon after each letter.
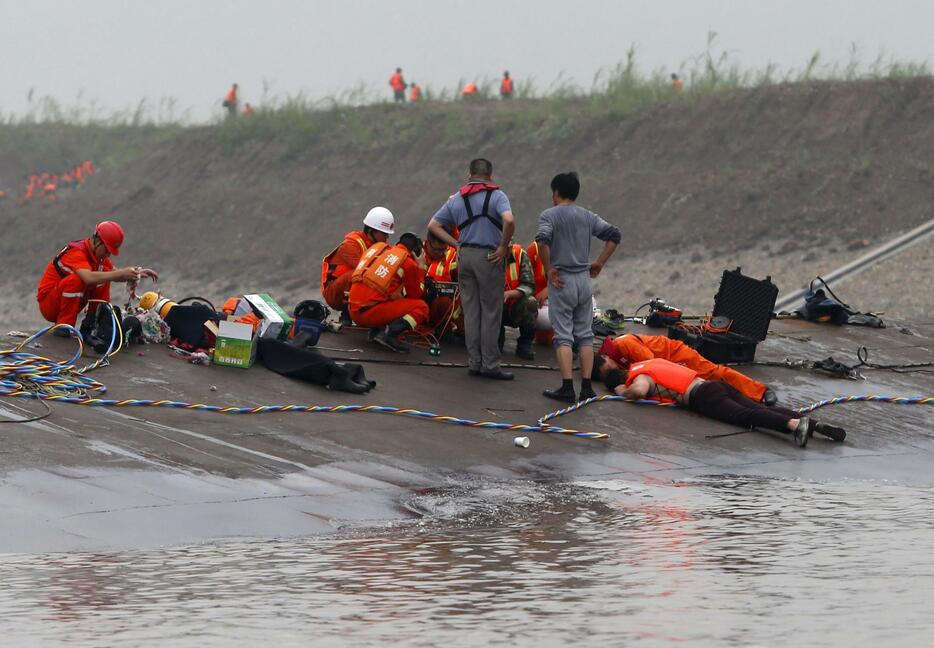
x: 570, y: 308
x: 481, y: 288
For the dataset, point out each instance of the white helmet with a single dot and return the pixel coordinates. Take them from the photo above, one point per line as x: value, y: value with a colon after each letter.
x: 380, y: 219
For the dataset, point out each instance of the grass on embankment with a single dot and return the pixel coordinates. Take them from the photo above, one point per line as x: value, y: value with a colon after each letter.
x: 358, y: 118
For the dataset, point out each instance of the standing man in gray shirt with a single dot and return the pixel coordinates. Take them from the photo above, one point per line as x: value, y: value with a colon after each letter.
x: 482, y: 214
x: 564, y: 234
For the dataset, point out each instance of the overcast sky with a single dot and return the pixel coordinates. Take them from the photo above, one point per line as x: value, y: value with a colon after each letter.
x: 114, y: 53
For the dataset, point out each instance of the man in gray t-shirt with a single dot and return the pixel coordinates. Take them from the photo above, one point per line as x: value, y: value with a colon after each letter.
x: 482, y: 214
x: 564, y: 235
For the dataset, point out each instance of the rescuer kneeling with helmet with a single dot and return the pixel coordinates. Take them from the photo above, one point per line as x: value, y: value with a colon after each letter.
x: 82, y: 272
x: 386, y: 291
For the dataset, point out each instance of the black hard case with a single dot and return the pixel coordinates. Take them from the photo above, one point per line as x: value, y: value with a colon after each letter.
x: 749, y: 303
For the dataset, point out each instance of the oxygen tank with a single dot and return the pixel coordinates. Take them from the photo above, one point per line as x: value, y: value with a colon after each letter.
x: 153, y: 301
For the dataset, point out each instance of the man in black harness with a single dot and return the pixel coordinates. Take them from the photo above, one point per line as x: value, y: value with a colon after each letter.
x: 481, y: 213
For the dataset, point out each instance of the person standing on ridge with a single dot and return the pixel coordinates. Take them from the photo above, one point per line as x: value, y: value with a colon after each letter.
x: 675, y: 81
x: 415, y: 94
x: 564, y: 234
x: 338, y: 266
x: 481, y: 212
x: 82, y: 271
x: 230, y: 101
x: 398, y: 85
x: 505, y: 86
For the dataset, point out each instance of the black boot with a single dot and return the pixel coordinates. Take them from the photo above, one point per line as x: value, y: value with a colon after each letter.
x: 389, y: 337
x: 524, y: 348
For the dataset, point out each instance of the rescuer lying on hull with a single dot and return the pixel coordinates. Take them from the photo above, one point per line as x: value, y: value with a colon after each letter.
x: 667, y: 382
x: 620, y: 352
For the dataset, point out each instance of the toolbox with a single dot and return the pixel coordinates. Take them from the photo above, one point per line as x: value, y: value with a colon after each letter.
x: 747, y: 305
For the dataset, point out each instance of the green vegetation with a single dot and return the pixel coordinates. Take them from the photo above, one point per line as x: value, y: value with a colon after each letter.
x: 363, y: 119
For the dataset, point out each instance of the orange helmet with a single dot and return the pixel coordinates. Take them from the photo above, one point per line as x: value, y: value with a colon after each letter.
x: 111, y: 235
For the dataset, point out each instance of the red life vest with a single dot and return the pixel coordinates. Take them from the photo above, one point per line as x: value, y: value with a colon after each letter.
x: 506, y: 86
x: 396, y: 82
x: 330, y: 269
x: 666, y: 374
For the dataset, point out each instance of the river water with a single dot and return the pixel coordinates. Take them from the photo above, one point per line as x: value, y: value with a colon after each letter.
x: 719, y: 561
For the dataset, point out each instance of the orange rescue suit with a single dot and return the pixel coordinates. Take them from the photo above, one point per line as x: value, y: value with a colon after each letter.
x: 638, y: 348
x: 666, y: 374
x: 381, y: 278
x: 337, y: 268
x: 61, y: 293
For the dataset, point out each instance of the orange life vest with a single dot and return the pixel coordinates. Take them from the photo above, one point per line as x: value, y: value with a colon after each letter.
x: 379, y: 267
x: 513, y: 267
x: 442, y: 269
x: 396, y: 82
x: 232, y: 97
x: 538, y: 268
x: 330, y: 270
x: 470, y: 88
x: 506, y: 86
x: 416, y: 93
x: 666, y: 374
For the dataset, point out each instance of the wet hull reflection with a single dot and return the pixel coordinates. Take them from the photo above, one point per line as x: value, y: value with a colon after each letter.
x: 716, y: 561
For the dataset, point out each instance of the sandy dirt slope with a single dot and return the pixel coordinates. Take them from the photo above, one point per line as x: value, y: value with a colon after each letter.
x: 789, y: 181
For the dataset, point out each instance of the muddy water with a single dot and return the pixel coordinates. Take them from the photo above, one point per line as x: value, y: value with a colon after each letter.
x: 714, y: 561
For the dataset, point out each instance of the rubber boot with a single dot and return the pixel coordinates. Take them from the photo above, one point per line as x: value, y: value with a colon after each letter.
x: 389, y: 338
x: 524, y: 348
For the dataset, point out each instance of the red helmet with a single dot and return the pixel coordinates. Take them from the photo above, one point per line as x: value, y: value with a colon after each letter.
x: 111, y: 235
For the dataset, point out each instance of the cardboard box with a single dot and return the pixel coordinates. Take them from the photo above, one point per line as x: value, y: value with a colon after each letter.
x: 236, y: 345
x: 276, y: 322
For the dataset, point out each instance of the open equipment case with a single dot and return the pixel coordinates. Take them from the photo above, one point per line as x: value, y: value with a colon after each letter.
x: 748, y: 303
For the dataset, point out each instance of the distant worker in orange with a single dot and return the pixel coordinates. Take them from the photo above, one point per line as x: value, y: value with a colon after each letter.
x: 82, y: 271
x: 415, y: 94
x: 398, y: 85
x: 445, y: 313
x: 675, y: 81
x: 470, y: 91
x: 622, y: 352
x: 230, y: 101
x: 505, y: 86
x: 338, y: 266
x: 247, y: 110
x: 387, y: 290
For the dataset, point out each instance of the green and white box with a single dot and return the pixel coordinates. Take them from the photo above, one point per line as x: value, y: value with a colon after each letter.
x: 276, y: 323
x: 236, y: 345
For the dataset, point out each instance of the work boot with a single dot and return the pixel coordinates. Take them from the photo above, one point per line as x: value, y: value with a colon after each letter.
x: 497, y: 374
x: 389, y: 337
x: 831, y: 431
x: 586, y: 392
x: 802, y: 431
x: 769, y: 398
x: 524, y: 348
x: 562, y: 394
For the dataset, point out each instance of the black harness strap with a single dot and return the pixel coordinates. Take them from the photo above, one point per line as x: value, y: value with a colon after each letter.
x: 471, y: 218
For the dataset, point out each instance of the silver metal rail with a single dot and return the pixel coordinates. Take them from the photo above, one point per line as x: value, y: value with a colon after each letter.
x: 884, y: 251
